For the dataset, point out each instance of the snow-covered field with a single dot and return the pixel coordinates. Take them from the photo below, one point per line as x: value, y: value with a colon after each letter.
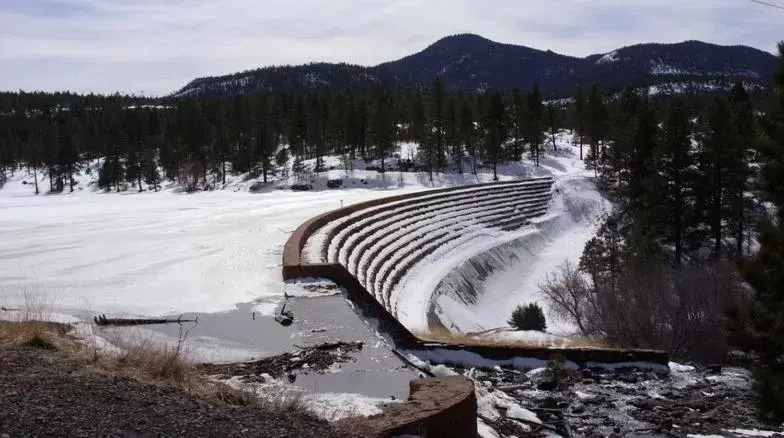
x: 162, y: 253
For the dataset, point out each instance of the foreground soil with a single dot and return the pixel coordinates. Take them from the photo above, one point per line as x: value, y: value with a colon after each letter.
x: 47, y: 393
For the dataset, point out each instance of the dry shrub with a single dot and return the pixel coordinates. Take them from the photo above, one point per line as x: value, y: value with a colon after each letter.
x: 30, y: 333
x: 190, y: 174
x: 278, y: 400
x: 154, y: 359
x: 679, y: 310
x: 27, y: 324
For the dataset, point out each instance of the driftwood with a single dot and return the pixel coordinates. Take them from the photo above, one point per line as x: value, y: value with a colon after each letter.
x: 403, y: 357
x: 6, y: 309
x: 103, y: 320
x: 511, y: 388
x: 532, y: 424
x: 354, y: 346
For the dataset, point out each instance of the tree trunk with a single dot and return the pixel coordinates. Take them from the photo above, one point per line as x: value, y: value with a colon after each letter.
x: 223, y: 171
x: 739, y: 234
x: 678, y: 231
x: 35, y: 178
x: 430, y: 163
x: 473, y: 161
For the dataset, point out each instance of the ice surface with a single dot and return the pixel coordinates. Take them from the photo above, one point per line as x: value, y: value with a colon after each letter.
x: 161, y: 253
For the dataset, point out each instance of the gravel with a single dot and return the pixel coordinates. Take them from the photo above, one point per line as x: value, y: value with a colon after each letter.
x: 46, y: 393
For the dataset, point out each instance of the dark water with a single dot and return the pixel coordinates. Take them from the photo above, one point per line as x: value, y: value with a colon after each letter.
x: 237, y: 336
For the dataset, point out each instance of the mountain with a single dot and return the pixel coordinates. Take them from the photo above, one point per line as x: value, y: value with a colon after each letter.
x: 474, y: 63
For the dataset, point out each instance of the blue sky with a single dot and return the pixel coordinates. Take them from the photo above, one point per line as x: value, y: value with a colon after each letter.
x: 153, y: 47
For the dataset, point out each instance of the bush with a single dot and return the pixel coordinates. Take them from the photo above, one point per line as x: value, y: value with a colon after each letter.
x: 282, y: 157
x: 190, y: 174
x: 530, y: 317
x: 335, y: 183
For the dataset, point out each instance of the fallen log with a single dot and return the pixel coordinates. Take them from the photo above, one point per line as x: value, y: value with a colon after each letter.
x: 408, y: 362
x: 511, y: 388
x: 103, y: 320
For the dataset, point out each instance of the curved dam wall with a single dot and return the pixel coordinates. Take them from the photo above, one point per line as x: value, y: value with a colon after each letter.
x: 395, y: 257
x: 459, y: 291
x: 490, y: 283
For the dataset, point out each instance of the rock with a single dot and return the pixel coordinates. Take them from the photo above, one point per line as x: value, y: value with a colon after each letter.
x: 715, y: 369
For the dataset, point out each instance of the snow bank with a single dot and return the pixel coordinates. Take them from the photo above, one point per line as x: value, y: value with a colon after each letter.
x: 753, y: 432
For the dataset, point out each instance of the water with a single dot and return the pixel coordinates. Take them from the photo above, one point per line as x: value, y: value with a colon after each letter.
x: 240, y: 335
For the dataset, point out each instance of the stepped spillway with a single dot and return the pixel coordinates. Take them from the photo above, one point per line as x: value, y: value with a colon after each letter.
x: 401, y: 248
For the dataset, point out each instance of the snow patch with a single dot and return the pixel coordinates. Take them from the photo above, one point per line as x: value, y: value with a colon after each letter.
x: 608, y: 58
x: 753, y: 432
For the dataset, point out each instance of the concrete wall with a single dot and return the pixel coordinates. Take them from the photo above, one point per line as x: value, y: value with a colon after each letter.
x: 436, y: 408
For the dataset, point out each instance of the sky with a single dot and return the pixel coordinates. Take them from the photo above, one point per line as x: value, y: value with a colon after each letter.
x: 154, y: 47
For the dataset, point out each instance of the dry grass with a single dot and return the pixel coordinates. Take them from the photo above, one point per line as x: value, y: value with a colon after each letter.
x: 447, y: 337
x: 148, y: 359
x: 278, y: 401
x: 27, y: 324
x: 32, y: 333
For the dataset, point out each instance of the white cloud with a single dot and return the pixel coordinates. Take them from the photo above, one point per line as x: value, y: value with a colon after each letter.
x: 157, y: 46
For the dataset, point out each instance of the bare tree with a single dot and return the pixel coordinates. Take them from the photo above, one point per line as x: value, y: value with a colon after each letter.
x: 569, y: 295
x: 663, y: 307
x: 190, y: 173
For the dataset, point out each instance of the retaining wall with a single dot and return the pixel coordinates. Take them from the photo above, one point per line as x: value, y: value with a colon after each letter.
x: 436, y: 408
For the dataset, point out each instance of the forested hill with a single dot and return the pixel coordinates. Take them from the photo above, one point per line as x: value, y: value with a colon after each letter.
x: 473, y: 63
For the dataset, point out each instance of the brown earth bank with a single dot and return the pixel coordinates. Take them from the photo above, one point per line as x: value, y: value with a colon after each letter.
x: 49, y: 387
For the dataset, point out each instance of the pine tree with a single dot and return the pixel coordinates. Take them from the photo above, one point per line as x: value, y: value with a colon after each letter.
x: 580, y: 118
x: 468, y: 130
x: 552, y: 119
x: 643, y: 195
x: 716, y: 161
x: 536, y: 123
x: 602, y: 258
x: 383, y: 126
x: 614, y: 169
x: 437, y: 124
x: 419, y: 130
x: 745, y: 136
x: 496, y: 130
x: 675, y: 163
x: 760, y: 328
x: 597, y: 120
x: 519, y: 123
x: 452, y: 127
